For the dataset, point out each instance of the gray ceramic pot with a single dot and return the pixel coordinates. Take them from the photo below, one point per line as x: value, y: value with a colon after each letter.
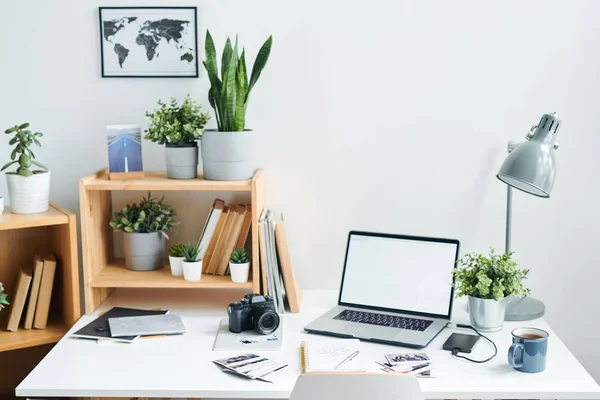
x: 227, y: 156
x: 487, y: 315
x: 144, y: 251
x: 182, y: 160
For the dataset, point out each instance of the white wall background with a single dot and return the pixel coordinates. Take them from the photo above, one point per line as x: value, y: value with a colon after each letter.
x: 382, y: 115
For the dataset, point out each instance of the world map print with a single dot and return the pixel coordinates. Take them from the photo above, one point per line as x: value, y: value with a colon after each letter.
x: 148, y: 45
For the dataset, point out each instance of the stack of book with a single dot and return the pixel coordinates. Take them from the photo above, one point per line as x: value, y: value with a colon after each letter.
x: 226, y: 229
x: 31, y: 301
x: 416, y: 364
x: 277, y: 275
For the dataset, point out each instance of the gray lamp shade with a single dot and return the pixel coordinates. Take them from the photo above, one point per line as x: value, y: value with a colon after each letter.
x: 531, y: 166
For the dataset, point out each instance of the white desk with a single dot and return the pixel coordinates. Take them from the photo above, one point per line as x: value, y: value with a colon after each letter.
x: 181, y: 366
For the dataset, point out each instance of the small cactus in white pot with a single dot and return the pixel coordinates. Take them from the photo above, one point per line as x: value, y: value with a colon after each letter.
x: 239, y: 266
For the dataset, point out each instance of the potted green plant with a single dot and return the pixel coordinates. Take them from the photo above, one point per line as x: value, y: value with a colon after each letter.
x: 487, y: 282
x: 178, y: 127
x: 29, y: 184
x: 192, y: 266
x: 144, y: 228
x: 239, y: 266
x: 175, y: 259
x: 3, y: 301
x: 227, y: 151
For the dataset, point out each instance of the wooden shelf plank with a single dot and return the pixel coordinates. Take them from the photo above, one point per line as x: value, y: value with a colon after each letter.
x: 23, y: 338
x: 159, y: 181
x: 116, y: 276
x: 51, y: 217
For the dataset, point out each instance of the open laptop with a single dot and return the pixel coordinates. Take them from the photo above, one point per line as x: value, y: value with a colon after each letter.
x: 395, y: 289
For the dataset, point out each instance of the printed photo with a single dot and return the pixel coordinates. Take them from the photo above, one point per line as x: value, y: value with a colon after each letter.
x: 407, y: 358
x: 124, y: 148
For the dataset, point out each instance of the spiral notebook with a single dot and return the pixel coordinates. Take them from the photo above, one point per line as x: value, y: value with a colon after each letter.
x: 341, y: 355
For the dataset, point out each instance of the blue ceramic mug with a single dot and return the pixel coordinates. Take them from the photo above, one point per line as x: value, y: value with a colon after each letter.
x: 528, y: 350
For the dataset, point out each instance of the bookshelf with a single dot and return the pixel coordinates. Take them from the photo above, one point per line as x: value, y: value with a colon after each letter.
x: 103, y: 272
x: 22, y: 236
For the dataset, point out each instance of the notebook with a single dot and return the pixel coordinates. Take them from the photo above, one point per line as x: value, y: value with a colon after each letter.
x: 341, y: 355
x: 100, y: 329
x: 168, y: 324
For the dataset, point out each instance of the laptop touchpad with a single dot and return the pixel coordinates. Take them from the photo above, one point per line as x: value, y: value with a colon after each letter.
x: 368, y: 331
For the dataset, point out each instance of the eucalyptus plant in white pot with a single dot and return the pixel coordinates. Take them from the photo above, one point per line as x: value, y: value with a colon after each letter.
x: 178, y: 127
x: 487, y: 282
x: 144, y: 228
x: 29, y: 184
x: 227, y: 151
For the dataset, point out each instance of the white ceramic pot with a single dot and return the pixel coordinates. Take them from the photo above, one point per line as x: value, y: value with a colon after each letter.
x: 227, y: 156
x: 239, y: 272
x: 176, y: 266
x: 192, y: 271
x: 29, y: 194
x: 486, y: 314
x: 1, y: 205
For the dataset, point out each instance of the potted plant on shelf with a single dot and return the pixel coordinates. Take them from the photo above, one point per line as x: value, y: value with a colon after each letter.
x: 144, y: 229
x: 175, y: 259
x: 28, y: 187
x: 488, y: 281
x: 239, y: 266
x: 226, y: 151
x: 178, y: 127
x: 3, y: 301
x: 192, y: 267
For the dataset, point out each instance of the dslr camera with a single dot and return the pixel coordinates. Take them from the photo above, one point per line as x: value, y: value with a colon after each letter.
x: 254, y: 311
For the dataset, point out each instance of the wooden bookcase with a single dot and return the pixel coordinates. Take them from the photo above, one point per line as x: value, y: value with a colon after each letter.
x: 22, y: 236
x: 103, y: 272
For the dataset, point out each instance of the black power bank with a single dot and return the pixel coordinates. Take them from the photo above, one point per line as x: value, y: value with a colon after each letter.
x: 460, y: 343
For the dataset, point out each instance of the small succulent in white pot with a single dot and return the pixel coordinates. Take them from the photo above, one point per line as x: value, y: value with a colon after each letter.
x: 239, y: 266
x: 29, y: 183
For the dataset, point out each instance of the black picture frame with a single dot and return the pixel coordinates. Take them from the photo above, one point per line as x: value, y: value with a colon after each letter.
x: 158, y: 75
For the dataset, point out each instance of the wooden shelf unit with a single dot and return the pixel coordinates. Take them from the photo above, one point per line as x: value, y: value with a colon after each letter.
x: 102, y: 272
x: 22, y: 236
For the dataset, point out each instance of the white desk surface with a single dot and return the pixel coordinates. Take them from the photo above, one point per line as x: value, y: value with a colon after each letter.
x: 181, y: 366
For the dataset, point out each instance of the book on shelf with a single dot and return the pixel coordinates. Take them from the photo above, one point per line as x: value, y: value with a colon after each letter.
x: 227, y: 227
x: 232, y: 239
x: 210, y: 226
x: 38, y: 265
x: 45, y: 294
x: 18, y: 301
x: 292, y: 289
x: 215, y: 239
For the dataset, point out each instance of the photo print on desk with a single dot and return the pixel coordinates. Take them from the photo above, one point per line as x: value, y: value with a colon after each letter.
x: 149, y: 42
x: 124, y: 148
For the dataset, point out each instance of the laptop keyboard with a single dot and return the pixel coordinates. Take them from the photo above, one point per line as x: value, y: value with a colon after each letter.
x: 392, y: 321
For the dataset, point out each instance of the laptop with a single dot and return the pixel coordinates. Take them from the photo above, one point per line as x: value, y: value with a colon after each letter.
x: 396, y: 290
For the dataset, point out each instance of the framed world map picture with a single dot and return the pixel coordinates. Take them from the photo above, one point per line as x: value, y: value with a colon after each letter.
x: 144, y: 42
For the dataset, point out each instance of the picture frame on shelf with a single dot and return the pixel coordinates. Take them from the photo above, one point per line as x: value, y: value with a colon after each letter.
x: 148, y: 42
x: 124, y: 144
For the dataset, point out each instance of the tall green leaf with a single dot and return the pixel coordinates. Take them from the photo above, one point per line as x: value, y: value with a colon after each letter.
x: 213, y: 103
x: 213, y: 72
x: 242, y: 88
x: 259, y: 63
x: 227, y: 50
x: 229, y: 92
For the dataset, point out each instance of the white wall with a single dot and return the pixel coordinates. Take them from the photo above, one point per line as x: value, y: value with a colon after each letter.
x: 382, y: 115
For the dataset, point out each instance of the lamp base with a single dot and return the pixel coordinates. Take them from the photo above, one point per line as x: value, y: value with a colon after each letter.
x: 524, y: 309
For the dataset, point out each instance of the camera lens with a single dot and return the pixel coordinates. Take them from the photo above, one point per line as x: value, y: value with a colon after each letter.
x: 268, y: 322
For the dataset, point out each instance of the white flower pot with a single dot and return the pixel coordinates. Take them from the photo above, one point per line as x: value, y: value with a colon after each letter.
x: 176, y: 265
x: 239, y: 272
x: 192, y: 271
x: 227, y: 156
x: 1, y: 204
x: 29, y: 194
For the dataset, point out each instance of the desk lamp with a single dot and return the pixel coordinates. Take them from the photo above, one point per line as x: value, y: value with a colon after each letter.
x: 529, y: 167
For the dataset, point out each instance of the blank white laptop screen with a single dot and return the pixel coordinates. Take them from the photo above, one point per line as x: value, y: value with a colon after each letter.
x: 399, y: 274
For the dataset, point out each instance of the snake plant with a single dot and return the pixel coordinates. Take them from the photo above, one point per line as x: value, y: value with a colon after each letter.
x: 229, y: 96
